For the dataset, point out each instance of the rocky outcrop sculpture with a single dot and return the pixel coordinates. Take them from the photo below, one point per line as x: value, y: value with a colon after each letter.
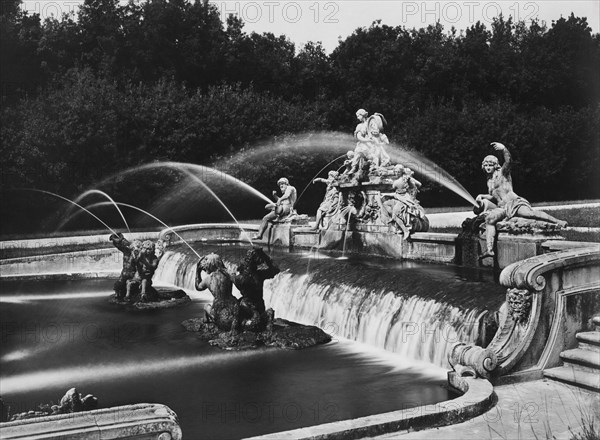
x: 71, y: 402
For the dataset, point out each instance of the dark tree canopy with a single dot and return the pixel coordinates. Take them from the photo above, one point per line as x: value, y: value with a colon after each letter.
x: 118, y: 85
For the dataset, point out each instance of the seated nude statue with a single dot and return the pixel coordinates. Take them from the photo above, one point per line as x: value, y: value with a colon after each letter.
x: 283, y: 207
x: 501, y: 202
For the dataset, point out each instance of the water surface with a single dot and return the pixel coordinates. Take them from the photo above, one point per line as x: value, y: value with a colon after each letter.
x: 59, y: 334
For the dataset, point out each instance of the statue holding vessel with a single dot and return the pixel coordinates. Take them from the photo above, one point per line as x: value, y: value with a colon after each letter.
x: 502, y: 210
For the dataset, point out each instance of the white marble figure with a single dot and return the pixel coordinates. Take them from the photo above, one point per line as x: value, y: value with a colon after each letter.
x: 501, y: 202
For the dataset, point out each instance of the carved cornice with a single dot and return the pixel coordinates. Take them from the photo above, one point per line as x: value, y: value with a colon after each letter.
x: 529, y: 273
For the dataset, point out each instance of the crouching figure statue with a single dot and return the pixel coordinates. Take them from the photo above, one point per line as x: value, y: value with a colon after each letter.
x: 225, y: 308
x: 250, y: 277
x: 228, y: 313
x: 245, y: 323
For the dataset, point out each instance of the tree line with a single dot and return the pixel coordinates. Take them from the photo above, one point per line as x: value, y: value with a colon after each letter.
x: 118, y: 85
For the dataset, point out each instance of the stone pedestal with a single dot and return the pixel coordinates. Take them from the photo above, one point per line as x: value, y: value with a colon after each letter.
x: 517, y: 239
x: 509, y: 249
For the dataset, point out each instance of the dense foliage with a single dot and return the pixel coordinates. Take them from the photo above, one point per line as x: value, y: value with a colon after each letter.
x: 120, y: 85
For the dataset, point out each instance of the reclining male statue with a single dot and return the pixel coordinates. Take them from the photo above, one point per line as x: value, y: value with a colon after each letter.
x: 501, y: 202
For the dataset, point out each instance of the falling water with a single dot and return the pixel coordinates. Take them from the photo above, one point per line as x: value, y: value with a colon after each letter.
x: 143, y: 212
x: 317, y: 175
x: 110, y: 201
x: 406, y: 312
x: 179, y: 269
x: 415, y: 327
x: 338, y: 143
x: 175, y: 269
x: 428, y: 169
x: 197, y: 170
x: 72, y: 203
x: 346, y: 235
x: 218, y: 199
x: 162, y: 223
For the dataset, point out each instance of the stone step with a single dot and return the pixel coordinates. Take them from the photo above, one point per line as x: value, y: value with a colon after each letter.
x: 579, y: 356
x: 589, y: 337
x: 574, y: 376
x: 589, y: 341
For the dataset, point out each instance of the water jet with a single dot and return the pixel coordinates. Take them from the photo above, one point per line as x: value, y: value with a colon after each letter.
x: 415, y: 302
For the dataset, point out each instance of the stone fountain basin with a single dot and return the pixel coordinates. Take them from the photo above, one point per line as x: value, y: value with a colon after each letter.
x: 106, y: 262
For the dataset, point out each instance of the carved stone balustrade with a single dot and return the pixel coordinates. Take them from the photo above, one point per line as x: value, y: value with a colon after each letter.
x: 549, y: 299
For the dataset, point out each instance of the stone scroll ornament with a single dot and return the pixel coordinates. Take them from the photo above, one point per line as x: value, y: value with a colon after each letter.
x: 483, y: 362
x: 472, y: 360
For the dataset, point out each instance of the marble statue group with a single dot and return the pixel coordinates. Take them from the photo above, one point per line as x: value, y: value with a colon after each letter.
x: 369, y: 193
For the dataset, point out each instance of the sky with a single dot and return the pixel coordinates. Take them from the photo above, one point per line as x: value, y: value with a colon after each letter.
x: 328, y: 21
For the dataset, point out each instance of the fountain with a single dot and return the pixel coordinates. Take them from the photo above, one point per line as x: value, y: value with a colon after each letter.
x: 396, y: 325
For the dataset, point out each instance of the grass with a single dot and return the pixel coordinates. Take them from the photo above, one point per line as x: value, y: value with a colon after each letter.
x: 576, y: 217
x: 581, y: 217
x: 589, y: 431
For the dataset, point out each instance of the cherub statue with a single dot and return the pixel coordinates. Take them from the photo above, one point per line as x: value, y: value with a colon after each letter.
x: 332, y: 197
x: 501, y: 202
x: 348, y: 165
